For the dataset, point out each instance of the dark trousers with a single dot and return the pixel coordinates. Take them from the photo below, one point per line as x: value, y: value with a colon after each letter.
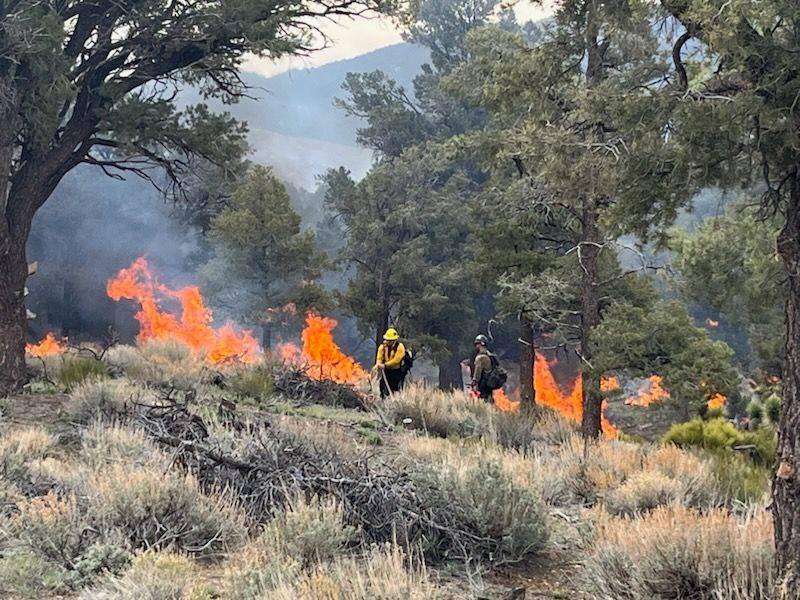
x: 485, y: 393
x: 395, y: 378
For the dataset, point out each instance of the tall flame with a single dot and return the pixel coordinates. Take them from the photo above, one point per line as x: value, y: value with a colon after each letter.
x: 193, y: 327
x: 49, y: 346
x: 321, y: 357
x: 549, y: 393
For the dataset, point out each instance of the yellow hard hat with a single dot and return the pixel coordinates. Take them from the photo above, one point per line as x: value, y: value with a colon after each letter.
x: 391, y: 335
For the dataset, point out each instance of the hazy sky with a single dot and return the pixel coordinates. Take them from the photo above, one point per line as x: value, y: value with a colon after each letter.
x: 352, y: 37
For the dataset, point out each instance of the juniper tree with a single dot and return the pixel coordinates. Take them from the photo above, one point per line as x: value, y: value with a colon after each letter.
x: 261, y: 257
x: 94, y: 82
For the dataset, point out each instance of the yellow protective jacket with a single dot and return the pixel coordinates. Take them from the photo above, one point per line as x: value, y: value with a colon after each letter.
x: 390, y: 357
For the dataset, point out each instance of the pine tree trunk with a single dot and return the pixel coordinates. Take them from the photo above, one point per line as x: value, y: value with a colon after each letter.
x: 13, y: 319
x: 527, y: 356
x: 266, y: 336
x: 450, y: 376
x: 590, y: 318
x: 786, y: 483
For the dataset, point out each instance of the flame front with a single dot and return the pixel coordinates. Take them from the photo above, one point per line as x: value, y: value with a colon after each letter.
x: 49, y: 346
x: 570, y: 405
x: 503, y: 402
x: 321, y: 357
x: 193, y: 327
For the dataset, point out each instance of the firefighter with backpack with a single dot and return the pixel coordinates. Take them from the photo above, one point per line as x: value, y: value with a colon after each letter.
x: 392, y: 362
x: 487, y: 374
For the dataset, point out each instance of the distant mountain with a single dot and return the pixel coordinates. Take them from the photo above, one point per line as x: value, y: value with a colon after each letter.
x: 292, y: 112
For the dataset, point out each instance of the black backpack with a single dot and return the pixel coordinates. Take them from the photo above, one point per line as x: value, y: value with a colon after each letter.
x: 407, y: 362
x: 497, y: 376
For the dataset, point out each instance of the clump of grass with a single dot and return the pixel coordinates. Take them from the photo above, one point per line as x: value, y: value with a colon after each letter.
x: 159, y: 511
x: 675, y: 552
x: 75, y: 370
x: 252, y: 382
x: 438, y: 413
x: 102, y: 399
x: 167, y: 363
x: 19, y: 449
x: 643, y: 492
x: 772, y: 408
x: 739, y: 478
x: 310, y: 531
x: 151, y: 576
x: 104, y: 444
x: 385, y: 573
x: 718, y: 434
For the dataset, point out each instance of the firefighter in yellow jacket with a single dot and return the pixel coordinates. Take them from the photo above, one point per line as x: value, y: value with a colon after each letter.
x: 389, y: 363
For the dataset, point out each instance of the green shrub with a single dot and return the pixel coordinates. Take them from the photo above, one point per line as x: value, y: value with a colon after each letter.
x: 309, y: 531
x: 75, y: 370
x: 772, y: 408
x: 508, y: 518
x: 254, y: 382
x: 55, y: 528
x: 674, y: 552
x: 154, y: 510
x: 718, y: 434
x: 755, y: 411
x: 739, y: 478
x: 24, y: 574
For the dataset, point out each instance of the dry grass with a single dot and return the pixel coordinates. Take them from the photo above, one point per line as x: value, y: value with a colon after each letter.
x: 103, y: 398
x: 676, y: 552
x: 161, y: 363
x: 438, y: 413
x: 104, y: 444
x: 643, y: 492
x: 152, y: 576
x: 384, y: 573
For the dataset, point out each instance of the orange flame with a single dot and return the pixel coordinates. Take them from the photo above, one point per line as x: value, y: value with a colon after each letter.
x: 194, y: 325
x: 570, y: 405
x: 503, y: 402
x: 321, y: 357
x: 717, y: 401
x: 654, y: 393
x: 609, y: 383
x: 49, y: 346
